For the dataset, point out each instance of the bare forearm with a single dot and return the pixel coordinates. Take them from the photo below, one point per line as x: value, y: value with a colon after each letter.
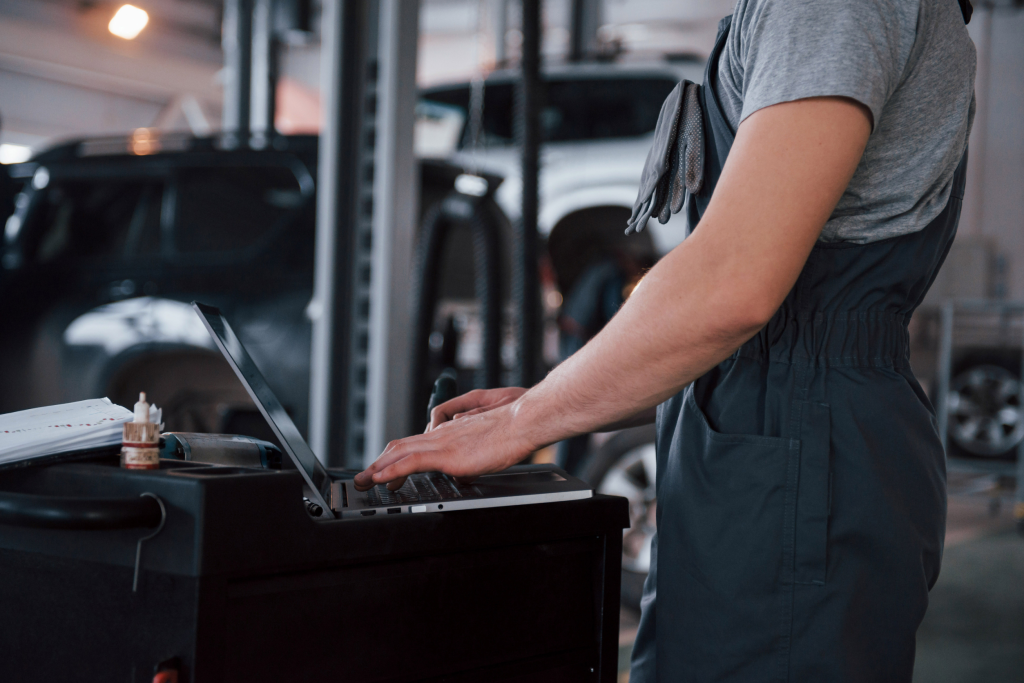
x: 714, y: 291
x: 671, y: 331
x: 644, y: 417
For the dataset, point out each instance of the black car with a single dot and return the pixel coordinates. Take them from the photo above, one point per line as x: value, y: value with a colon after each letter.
x: 109, y: 243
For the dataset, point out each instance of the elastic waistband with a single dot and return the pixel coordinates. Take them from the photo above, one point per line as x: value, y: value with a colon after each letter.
x: 836, y: 339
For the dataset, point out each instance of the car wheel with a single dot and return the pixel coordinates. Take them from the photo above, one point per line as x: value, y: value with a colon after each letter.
x: 195, y: 390
x: 626, y: 466
x: 984, y: 409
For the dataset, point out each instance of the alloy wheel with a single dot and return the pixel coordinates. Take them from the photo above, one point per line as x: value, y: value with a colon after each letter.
x: 633, y: 477
x: 984, y: 409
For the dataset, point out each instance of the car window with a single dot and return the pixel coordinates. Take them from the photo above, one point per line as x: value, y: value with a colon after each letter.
x: 97, y: 219
x: 580, y: 109
x: 601, y: 108
x: 497, y: 111
x: 228, y: 208
x: 438, y: 129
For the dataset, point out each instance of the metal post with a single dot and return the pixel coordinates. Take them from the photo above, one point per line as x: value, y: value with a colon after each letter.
x: 236, y: 41
x: 264, y: 71
x: 524, y: 272
x: 395, y: 199
x: 340, y: 305
x: 1018, y: 507
x: 979, y: 150
x: 945, y: 369
x: 585, y: 18
x: 500, y: 11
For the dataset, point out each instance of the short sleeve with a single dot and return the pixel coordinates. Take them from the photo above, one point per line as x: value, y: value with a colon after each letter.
x: 795, y: 49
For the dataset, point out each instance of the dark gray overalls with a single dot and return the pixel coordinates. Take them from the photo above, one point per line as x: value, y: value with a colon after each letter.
x: 801, y: 483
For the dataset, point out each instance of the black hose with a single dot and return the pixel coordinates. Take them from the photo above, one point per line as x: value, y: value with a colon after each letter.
x: 438, y: 223
x: 487, y: 267
x: 525, y: 289
x: 55, y: 512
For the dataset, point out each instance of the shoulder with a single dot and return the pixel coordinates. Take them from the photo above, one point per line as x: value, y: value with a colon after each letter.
x: 789, y: 49
x: 755, y: 20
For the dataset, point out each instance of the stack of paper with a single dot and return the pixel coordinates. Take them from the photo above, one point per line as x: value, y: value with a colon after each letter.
x: 61, y: 429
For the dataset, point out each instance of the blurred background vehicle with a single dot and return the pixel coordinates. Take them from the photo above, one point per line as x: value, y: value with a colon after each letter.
x: 107, y: 248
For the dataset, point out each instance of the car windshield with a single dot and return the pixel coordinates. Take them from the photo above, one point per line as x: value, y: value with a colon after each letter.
x: 580, y: 109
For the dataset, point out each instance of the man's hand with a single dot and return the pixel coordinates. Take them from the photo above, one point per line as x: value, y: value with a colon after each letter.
x: 466, y: 447
x: 473, y: 403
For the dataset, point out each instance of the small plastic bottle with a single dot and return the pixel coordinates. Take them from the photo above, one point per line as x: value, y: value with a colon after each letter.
x: 140, y: 440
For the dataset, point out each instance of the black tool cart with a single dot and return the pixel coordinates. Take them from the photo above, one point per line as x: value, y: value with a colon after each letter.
x: 235, y: 581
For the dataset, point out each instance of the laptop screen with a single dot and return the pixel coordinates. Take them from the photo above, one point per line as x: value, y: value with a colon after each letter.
x: 238, y: 358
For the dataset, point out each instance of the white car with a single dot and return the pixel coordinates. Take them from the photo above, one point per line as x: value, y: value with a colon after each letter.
x: 597, y: 123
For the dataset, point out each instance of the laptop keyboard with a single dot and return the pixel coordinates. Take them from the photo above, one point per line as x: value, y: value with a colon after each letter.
x: 418, y: 488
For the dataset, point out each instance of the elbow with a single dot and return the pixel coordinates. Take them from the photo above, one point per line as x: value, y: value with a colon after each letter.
x: 743, y: 317
x: 762, y: 309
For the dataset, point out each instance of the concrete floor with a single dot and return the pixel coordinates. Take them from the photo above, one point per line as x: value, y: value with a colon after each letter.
x: 974, y: 629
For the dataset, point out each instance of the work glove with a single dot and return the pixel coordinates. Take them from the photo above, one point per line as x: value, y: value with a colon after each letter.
x: 675, y: 164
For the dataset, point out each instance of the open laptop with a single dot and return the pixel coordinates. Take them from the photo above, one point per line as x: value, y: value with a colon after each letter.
x: 428, y: 492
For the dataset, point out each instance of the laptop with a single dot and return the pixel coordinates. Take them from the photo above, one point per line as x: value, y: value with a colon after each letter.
x: 427, y: 492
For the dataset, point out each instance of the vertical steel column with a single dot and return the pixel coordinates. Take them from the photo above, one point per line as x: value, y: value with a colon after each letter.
x: 975, y: 198
x: 1018, y: 506
x: 576, y: 47
x: 236, y: 41
x: 395, y: 200
x: 525, y: 289
x: 499, y: 10
x: 264, y: 71
x: 584, y: 20
x: 340, y: 306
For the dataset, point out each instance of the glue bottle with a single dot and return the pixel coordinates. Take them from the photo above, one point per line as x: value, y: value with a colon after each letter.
x: 140, y: 440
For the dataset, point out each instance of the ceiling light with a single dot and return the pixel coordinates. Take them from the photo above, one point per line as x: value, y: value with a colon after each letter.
x: 143, y: 141
x: 14, y: 154
x: 128, y: 22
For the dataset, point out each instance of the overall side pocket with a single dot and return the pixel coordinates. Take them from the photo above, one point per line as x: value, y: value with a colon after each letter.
x: 729, y: 492
x: 725, y: 546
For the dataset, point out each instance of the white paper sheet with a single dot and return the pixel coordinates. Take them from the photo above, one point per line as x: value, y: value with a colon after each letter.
x: 58, y: 429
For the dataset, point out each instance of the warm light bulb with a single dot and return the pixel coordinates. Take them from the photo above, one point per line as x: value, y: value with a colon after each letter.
x: 128, y: 22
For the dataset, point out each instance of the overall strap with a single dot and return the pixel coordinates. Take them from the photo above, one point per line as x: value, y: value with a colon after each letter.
x: 718, y: 132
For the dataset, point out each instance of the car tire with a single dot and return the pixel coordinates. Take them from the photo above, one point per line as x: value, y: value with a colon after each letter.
x: 985, y: 407
x: 194, y: 390
x: 625, y: 465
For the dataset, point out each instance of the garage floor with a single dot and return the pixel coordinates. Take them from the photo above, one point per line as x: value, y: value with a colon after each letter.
x: 974, y: 629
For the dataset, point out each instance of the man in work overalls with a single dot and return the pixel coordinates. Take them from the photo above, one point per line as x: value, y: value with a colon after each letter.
x: 801, y: 481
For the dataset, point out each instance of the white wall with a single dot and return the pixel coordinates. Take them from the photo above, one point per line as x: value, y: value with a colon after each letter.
x: 994, y: 203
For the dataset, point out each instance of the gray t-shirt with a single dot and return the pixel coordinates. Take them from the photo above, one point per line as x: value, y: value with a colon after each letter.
x: 910, y: 62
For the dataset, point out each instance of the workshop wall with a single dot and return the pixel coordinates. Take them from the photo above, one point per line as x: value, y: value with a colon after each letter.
x: 994, y: 200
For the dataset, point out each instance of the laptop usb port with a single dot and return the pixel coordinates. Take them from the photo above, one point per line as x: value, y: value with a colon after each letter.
x: 368, y: 513
x: 394, y: 511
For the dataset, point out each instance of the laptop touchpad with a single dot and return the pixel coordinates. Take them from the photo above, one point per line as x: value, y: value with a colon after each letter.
x: 515, y: 483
